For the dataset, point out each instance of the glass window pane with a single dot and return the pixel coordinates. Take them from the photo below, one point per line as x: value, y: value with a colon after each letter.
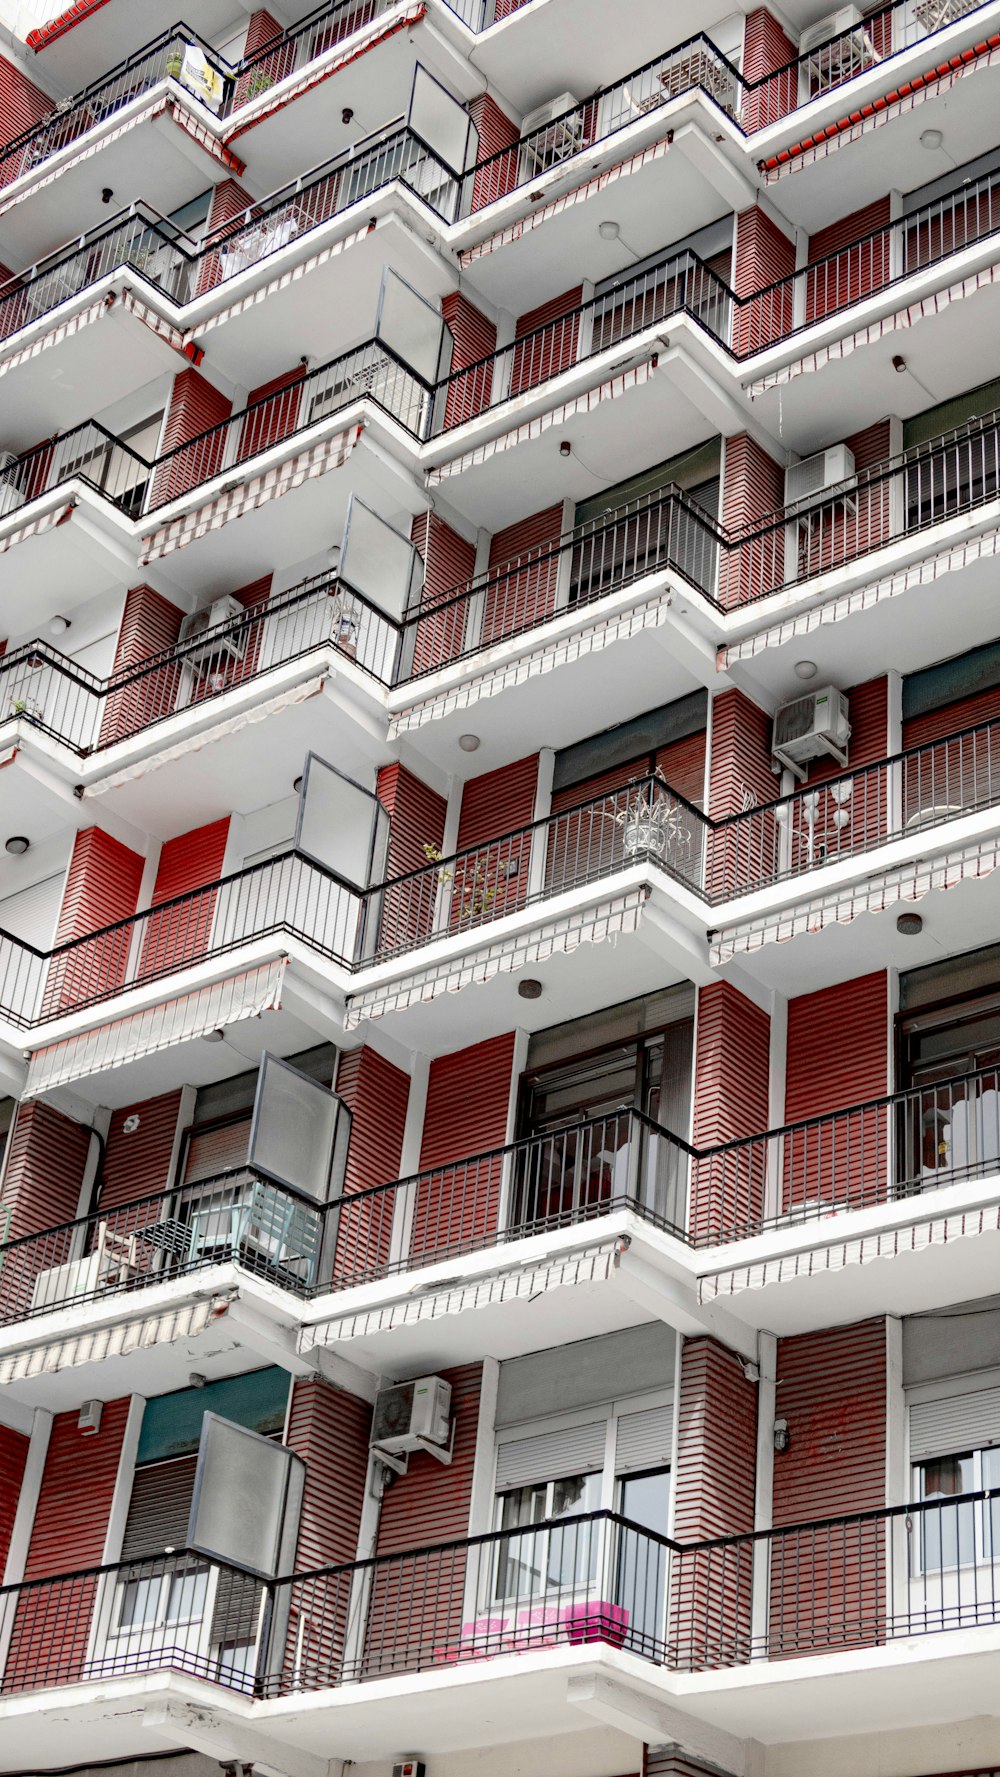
x: 139, y: 1602
x: 186, y: 1597
x: 947, y: 1531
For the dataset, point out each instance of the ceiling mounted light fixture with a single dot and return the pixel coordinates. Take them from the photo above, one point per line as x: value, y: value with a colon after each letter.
x: 17, y: 845
x: 931, y: 140
x: 608, y: 231
x: 805, y: 669
x: 469, y: 743
x: 59, y: 625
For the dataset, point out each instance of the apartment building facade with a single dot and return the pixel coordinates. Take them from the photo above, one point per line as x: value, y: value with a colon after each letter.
x: 499, y: 909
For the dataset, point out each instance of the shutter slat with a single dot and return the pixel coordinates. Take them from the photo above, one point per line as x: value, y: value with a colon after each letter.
x: 644, y: 1439
x: 552, y: 1456
x: 159, y: 1509
x: 959, y: 1422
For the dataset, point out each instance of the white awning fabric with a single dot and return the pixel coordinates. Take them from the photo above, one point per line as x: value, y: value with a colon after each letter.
x: 114, y: 1341
x: 328, y: 454
x: 862, y: 598
x: 902, y: 319
x: 909, y: 882
x: 580, y: 194
x: 178, y: 1020
x: 543, y: 422
x: 930, y: 86
x: 595, y: 1264
x: 838, y: 1254
x: 591, y: 925
x: 257, y: 712
x: 589, y: 638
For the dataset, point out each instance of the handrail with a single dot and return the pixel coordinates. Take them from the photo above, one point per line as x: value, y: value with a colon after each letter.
x: 863, y: 1155
x: 751, y: 105
x: 717, y: 859
x: 663, y: 530
x: 850, y: 1582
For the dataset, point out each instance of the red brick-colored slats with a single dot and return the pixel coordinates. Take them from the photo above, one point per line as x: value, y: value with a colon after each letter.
x: 102, y: 887
x: 969, y: 217
x: 52, y: 1624
x: 63, y: 22
x: 137, y: 1161
x: 228, y: 201
x: 272, y: 58
x: 768, y: 51
x: 181, y: 933
x: 731, y: 1100
x: 827, y: 1586
x: 41, y: 1190
x: 519, y: 596
x: 13, y: 1456
x: 377, y: 1095
x: 547, y: 338
x: 492, y: 879
x: 274, y: 410
x: 449, y: 562
x: 416, y: 822
x: 956, y: 773
x: 838, y: 1056
x: 468, y: 1093
x: 22, y: 104
x: 150, y: 623
x: 196, y: 406
x: 498, y: 135
x: 715, y: 1479
x: 763, y: 256
x: 861, y: 264
x: 741, y: 779
x: 417, y: 1604
x: 503, y: 9
x: 753, y: 487
x: 329, y: 1429
x: 470, y: 390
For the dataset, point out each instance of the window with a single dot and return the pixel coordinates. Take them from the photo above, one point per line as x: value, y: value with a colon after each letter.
x: 955, y: 1451
x: 559, y: 1556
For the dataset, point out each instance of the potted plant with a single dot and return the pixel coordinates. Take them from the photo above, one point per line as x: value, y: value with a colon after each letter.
x: 174, y: 64
x: 344, y: 628
x: 26, y: 706
x: 258, y: 83
x: 476, y: 884
x: 649, y: 822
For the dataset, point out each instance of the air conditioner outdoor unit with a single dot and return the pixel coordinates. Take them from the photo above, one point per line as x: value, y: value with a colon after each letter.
x: 199, y: 623
x: 554, y: 131
x: 11, y: 496
x: 813, y: 727
x: 413, y: 1416
x: 803, y: 481
x: 846, y: 18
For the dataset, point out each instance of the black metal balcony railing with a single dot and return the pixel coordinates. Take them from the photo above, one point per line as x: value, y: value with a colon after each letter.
x: 904, y: 496
x: 644, y: 823
x: 48, y: 691
x: 238, y: 1215
x: 681, y: 284
x: 888, y: 1150
x: 844, y: 1584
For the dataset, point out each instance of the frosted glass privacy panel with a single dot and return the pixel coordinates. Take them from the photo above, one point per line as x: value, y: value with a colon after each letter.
x: 300, y: 1131
x: 378, y: 561
x: 439, y: 120
x: 410, y: 327
x: 338, y: 823
x: 247, y: 1498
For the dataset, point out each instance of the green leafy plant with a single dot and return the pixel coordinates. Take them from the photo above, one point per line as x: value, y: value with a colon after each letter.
x: 258, y: 83
x: 476, y: 885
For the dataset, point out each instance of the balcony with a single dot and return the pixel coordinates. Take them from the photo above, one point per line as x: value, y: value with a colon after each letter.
x: 865, y: 1604
x: 781, y: 1228
x: 816, y: 837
